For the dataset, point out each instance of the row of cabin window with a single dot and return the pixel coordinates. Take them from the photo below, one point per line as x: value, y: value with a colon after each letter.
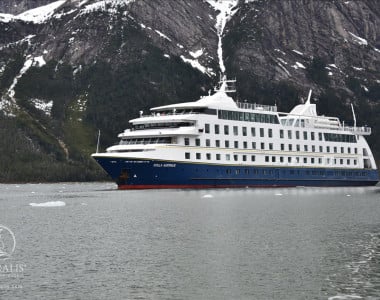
x: 247, y: 117
x: 228, y: 157
x: 270, y: 146
x: 235, y: 130
x: 311, y: 160
x: 280, y: 159
x: 256, y: 171
x: 332, y: 137
x: 320, y: 148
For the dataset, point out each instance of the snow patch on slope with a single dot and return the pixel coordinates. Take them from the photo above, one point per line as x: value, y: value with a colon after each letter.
x: 105, y: 5
x: 358, y: 39
x: 43, y: 106
x: 196, y: 54
x: 39, y: 61
x: 284, y: 69
x: 298, y: 65
x: 25, y: 39
x: 226, y: 10
x: 8, y: 102
x: 6, y: 18
x: 40, y: 14
x: 30, y: 62
x: 298, y: 52
x: 195, y: 64
x: 163, y: 35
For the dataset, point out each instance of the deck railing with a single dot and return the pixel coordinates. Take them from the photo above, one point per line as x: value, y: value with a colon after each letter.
x: 255, y: 106
x: 358, y: 130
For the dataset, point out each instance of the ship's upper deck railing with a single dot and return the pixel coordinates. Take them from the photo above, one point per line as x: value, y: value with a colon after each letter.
x: 255, y: 106
x: 358, y: 130
x: 168, y: 113
x: 322, y: 122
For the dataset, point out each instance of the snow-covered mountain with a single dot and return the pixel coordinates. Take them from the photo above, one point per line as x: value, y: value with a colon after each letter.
x: 71, y: 67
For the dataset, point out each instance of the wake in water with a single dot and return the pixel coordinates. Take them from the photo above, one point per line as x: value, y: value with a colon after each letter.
x: 359, y: 278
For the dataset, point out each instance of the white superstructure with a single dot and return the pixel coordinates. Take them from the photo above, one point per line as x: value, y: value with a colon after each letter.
x: 218, y: 130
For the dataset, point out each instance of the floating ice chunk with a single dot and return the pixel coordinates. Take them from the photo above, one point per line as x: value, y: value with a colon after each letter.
x: 344, y: 297
x: 48, y: 204
x: 278, y: 194
x: 208, y: 196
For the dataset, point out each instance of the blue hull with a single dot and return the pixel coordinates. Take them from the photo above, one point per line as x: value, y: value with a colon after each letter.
x: 144, y: 174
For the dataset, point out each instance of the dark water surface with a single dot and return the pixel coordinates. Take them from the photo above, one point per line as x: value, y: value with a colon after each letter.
x: 299, y: 243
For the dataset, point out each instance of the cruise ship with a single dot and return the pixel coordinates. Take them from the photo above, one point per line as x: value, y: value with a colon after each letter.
x: 216, y: 142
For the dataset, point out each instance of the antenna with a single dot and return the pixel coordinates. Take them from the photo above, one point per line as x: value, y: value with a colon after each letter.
x: 97, y: 145
x: 353, y: 113
x: 308, y: 97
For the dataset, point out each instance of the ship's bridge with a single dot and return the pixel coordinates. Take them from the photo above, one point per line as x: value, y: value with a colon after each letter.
x: 219, y: 100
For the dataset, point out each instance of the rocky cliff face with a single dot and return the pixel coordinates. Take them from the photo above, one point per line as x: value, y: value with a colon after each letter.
x: 280, y: 49
x: 275, y: 39
x: 70, y: 67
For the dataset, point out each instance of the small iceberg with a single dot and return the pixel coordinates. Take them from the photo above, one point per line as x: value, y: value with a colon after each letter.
x: 48, y: 204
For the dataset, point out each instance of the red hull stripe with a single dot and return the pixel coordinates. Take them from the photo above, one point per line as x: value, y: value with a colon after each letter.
x: 190, y: 186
